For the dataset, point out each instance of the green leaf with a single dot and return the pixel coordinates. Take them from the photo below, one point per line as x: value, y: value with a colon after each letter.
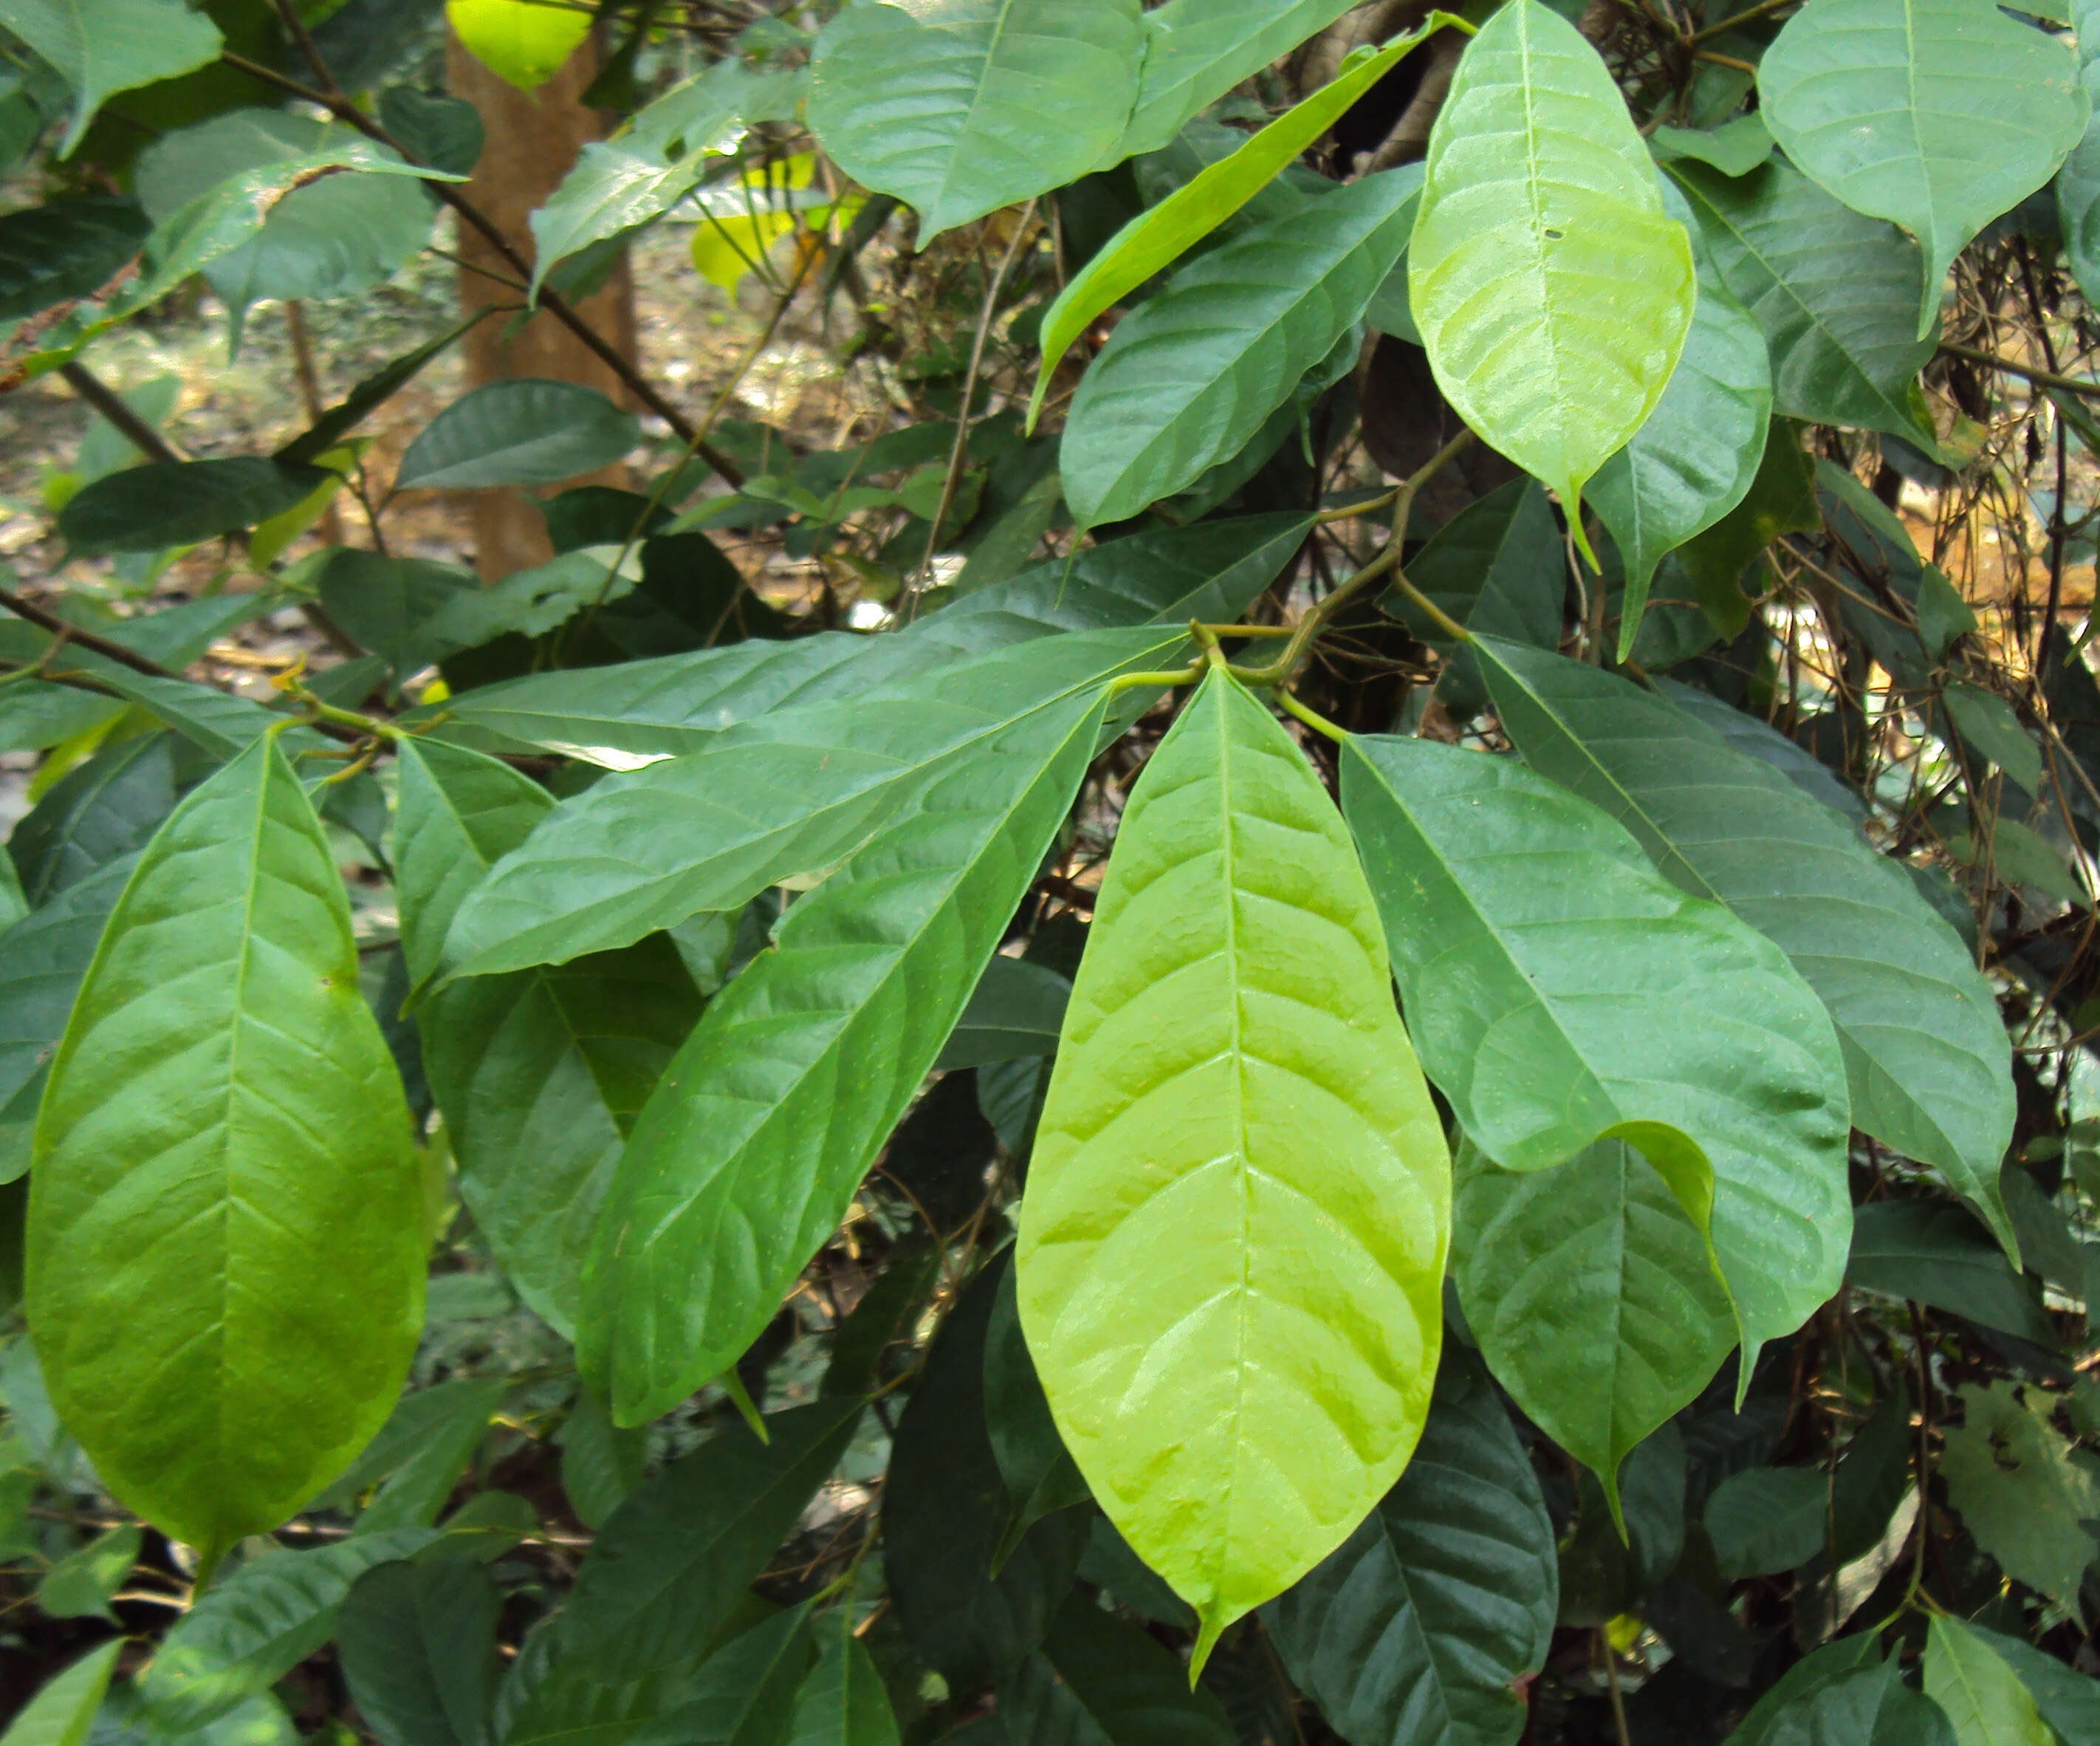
x: 791, y: 792
x: 1944, y: 616
x: 1190, y: 375
x: 1937, y: 1255
x: 80, y: 1585
x: 1938, y: 114
x: 842, y: 1702
x: 384, y: 603
x: 2025, y: 1493
x: 224, y: 1134
x: 1234, y: 1090
x: 601, y: 1463
x: 746, y: 1157
x: 1622, y: 1545
x: 945, y: 1507
x: 1765, y: 1520
x: 667, y: 1571
x: 2068, y: 1701
x: 453, y: 1425
x: 418, y: 1647
x: 1552, y: 291
x: 103, y: 46
x: 2078, y: 181
x: 1099, y: 1681
x: 1992, y: 726
x: 527, y: 603
x: 457, y: 813
x: 256, y: 1624
x: 1560, y: 992
x: 525, y: 432
x: 62, y: 1711
x: 1197, y: 51
x: 1835, y: 291
x: 1696, y: 458
x: 374, y: 391
x: 1844, y: 1695
x: 69, y: 248
x: 1040, y: 1476
x: 1600, y: 1251
x: 1016, y: 1009
x: 944, y: 105
x: 1163, y: 233
x: 1982, y: 1697
x: 1781, y: 500
x: 1735, y: 148
x: 444, y: 131
x: 1926, y: 1058
x: 95, y: 814
x: 1416, y: 1630
x: 179, y: 502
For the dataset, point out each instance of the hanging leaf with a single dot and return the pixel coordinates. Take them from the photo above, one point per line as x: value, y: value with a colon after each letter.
x: 1096, y: 1678
x: 62, y: 1712
x: 223, y: 1133
x: 1418, y: 1629
x: 1984, y: 1699
x: 1016, y: 1010
x: 1766, y: 1520
x: 179, y: 502
x: 1561, y: 992
x: 2023, y: 1491
x: 1938, y: 114
x: 1188, y: 376
x: 1927, y: 1061
x: 842, y: 1702
x: 418, y: 1647
x: 100, y: 47
x: 1835, y: 291
x: 1552, y: 291
x: 80, y: 1585
x: 524, y: 432
x: 1283, y: 1214
x: 2078, y: 182
x: 68, y: 248
x: 721, y: 1197
x: 1937, y: 1255
x: 941, y: 105
x: 522, y: 42
x: 1197, y: 51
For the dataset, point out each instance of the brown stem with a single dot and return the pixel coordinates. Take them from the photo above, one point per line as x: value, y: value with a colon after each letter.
x: 141, y: 434
x: 2046, y: 378
x: 87, y: 639
x: 310, y: 395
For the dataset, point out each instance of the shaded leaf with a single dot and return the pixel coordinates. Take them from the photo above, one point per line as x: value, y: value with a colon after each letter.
x: 1766, y: 1520
x: 523, y: 431
x: 1939, y: 1256
x: 1984, y: 1699
x: 2023, y: 1491
x: 80, y: 1585
x: 62, y: 1710
x: 418, y: 1647
x: 178, y: 502
x: 1099, y: 1681
x: 1016, y: 1009
x: 842, y: 1702
x: 1197, y: 51
x: 1040, y: 1476
x: 68, y: 248
x: 2078, y: 181
x: 1844, y: 1695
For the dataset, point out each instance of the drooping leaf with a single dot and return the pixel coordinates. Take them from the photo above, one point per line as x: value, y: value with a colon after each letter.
x: 383, y: 604
x: 1938, y: 114
x: 747, y: 1155
x: 1552, y: 291
x: 1416, y: 1630
x: 601, y: 1463
x: 433, y: 128
x: 418, y: 1647
x: 1189, y: 377
x: 1696, y: 458
x: 1835, y: 292
x: 1767, y: 1519
x: 667, y: 1571
x: 103, y: 46
x: 256, y: 1624
x: 792, y: 791
x: 179, y: 502
x: 842, y: 1702
x: 523, y: 431
x: 1040, y: 1476
x: 1937, y: 1255
x: 1592, y: 1293
x: 223, y: 1135
x: 68, y: 248
x: 1845, y: 1695
x: 1925, y: 1056
x: 373, y: 391
x: 1984, y: 1701
x: 1735, y: 148
x: 1560, y: 992
x: 62, y: 1712
x: 1105, y: 1683
x: 2023, y: 1491
x: 2078, y: 181
x: 943, y: 105
x: 521, y: 41
x: 1016, y: 1009
x: 1237, y: 1158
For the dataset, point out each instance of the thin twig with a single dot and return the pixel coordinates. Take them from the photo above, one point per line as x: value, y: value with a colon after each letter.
x: 134, y: 429
x: 2046, y: 378
x: 87, y: 639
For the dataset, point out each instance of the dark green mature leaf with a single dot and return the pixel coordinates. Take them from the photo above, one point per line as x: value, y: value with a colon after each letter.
x: 418, y: 1453
x: 1844, y: 1695
x: 1767, y: 1519
x: 1196, y: 51
x: 1621, y: 1547
x: 1190, y: 376
x: 103, y: 46
x: 2027, y: 1495
x: 1748, y: 735
x: 1696, y: 458
x: 1592, y: 1293
x: 1835, y: 292
x: 1735, y: 148
x: 601, y: 1463
x: 257, y: 1623
x: 1939, y: 114
x: 1415, y: 1632
x: 1099, y: 1681
x: 1937, y: 1255
x: 746, y: 1157
x: 1040, y: 1476
x: 842, y: 1702
x: 1016, y: 1009
x: 69, y: 248
x: 944, y: 106
x: 787, y: 792
x: 1926, y: 1059
x: 524, y: 432
x: 1560, y: 992
x: 384, y: 603
x: 375, y: 390
x: 1873, y: 1475
x: 668, y: 1570
x: 1781, y: 500
x: 444, y: 131
x: 179, y: 502
x: 418, y: 1647
x: 2068, y: 1701
x: 80, y: 1585
x: 2078, y: 182
x: 1552, y: 291
x: 945, y: 1508
x: 97, y: 813
x: 224, y: 1134
x: 1983, y: 1700
x: 1235, y: 1096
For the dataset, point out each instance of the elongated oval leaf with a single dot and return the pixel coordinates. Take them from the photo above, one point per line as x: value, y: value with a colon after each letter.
x: 1561, y: 991
x: 1929, y: 1252
x: 62, y: 1712
x: 943, y: 105
x: 223, y: 1136
x: 1927, y: 1061
x: 417, y: 1645
x: 1599, y: 1252
x: 2078, y: 182
x: 69, y: 248
x: 1189, y: 377
x: 179, y: 502
x: 1196, y: 51
x: 525, y: 432
x: 1939, y: 114
x: 1984, y: 1700
x: 842, y: 1702
x: 1552, y: 291
x: 745, y: 1158
x: 1415, y: 1631
x: 1105, y: 1681
x: 1232, y: 1244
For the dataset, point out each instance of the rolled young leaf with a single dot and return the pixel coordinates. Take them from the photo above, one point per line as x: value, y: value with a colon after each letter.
x: 1232, y: 1245
x: 225, y: 1230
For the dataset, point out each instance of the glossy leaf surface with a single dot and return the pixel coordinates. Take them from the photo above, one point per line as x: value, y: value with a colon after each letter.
x: 1238, y: 1159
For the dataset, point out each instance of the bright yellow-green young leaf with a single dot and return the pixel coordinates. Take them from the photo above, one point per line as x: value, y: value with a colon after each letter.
x: 522, y: 42
x: 1552, y: 291
x: 225, y: 1240
x: 1232, y: 1247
